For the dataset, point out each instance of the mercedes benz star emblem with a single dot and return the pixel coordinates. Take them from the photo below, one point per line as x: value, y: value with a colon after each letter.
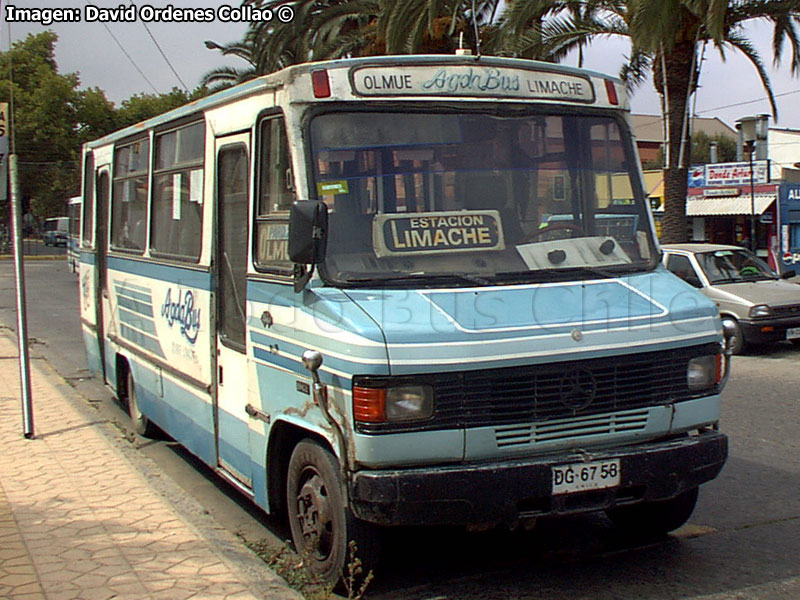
x: 578, y: 388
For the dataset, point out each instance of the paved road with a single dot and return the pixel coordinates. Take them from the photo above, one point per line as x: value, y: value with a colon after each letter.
x: 742, y: 542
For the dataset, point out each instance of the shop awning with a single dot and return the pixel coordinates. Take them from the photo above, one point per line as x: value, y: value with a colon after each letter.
x: 698, y: 206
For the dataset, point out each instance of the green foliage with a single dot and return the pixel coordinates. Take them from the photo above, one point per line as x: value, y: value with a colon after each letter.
x: 726, y: 148
x: 45, y: 124
x: 53, y: 118
x: 139, y: 107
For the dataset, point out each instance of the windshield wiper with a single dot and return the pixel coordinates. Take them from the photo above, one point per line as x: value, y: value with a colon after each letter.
x: 565, y: 272
x: 379, y: 278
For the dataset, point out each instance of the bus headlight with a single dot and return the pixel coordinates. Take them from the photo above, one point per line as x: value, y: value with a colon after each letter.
x: 704, y: 372
x: 392, y: 404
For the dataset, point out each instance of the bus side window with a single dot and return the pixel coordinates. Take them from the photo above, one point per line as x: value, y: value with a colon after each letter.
x: 129, y: 196
x: 275, y: 197
x: 177, y: 218
x: 88, y: 202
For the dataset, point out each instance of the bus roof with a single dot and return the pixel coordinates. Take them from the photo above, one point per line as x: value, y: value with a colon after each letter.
x: 416, y: 77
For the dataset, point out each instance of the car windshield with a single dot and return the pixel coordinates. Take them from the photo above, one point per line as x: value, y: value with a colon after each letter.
x: 478, y: 197
x: 732, y: 266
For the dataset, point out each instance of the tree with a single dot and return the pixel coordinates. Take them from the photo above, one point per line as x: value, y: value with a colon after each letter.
x: 46, y: 123
x: 665, y: 37
x: 701, y: 142
x: 329, y: 29
x: 139, y: 107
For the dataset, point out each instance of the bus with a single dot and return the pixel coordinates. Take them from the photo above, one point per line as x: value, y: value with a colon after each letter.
x: 383, y: 292
x: 74, y: 215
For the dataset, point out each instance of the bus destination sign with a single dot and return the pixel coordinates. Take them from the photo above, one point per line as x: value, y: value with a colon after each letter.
x: 472, y: 81
x: 434, y: 232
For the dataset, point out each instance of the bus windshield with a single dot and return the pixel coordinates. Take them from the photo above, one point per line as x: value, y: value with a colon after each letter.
x: 483, y: 195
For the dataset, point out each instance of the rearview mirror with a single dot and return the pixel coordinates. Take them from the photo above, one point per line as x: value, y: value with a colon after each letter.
x: 308, y: 232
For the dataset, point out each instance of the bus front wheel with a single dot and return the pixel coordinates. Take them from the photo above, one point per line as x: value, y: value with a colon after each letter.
x: 322, y: 526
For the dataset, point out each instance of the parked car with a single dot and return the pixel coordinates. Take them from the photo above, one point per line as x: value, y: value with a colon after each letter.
x: 56, y: 231
x: 760, y: 305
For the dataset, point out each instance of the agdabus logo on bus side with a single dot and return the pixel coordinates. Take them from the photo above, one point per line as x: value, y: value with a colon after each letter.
x: 182, y: 310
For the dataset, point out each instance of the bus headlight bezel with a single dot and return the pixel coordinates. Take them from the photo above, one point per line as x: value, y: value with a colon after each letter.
x: 403, y: 403
x: 704, y: 372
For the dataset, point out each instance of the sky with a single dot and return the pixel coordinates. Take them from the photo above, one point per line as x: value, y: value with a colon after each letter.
x: 729, y: 89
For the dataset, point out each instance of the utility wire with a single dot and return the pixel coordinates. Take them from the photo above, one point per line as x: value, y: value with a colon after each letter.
x: 164, y: 56
x: 130, y: 58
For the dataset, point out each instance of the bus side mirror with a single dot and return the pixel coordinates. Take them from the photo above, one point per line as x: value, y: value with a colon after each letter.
x: 308, y: 232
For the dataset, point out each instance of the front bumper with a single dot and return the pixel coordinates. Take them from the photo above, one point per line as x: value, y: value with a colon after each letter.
x: 497, y: 492
x: 754, y: 331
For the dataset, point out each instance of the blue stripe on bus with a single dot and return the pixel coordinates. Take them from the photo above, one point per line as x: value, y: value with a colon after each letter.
x: 186, y: 415
x: 181, y: 276
x: 137, y: 320
x: 141, y: 339
x: 87, y: 258
x: 335, y: 363
x: 137, y: 307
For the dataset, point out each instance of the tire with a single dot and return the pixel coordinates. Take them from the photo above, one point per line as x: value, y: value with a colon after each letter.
x: 141, y: 424
x: 649, y: 519
x: 738, y: 343
x: 321, y: 525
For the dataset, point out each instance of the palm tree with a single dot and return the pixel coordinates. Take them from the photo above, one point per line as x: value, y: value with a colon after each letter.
x: 226, y: 76
x: 665, y: 37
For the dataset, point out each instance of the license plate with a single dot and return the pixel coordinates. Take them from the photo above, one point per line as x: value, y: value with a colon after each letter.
x: 793, y: 333
x: 580, y: 477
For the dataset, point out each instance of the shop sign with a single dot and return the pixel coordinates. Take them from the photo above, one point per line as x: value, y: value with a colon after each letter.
x: 728, y: 174
x: 791, y: 258
x: 721, y: 192
x: 737, y: 173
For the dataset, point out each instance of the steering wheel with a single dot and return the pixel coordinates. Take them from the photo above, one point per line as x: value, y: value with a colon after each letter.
x: 550, y: 228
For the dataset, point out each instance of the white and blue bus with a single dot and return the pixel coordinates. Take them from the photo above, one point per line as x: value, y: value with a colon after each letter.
x: 387, y: 291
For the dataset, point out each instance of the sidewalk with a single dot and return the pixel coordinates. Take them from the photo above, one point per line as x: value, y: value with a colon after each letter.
x: 78, y: 520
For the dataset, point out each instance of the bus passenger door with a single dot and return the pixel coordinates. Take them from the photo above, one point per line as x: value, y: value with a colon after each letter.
x: 230, y: 268
x: 102, y: 302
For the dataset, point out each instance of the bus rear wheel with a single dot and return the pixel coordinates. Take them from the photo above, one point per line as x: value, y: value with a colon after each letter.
x: 141, y: 424
x: 322, y: 526
x: 648, y: 519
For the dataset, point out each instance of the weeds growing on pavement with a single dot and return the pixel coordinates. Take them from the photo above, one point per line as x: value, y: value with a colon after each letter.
x: 292, y: 567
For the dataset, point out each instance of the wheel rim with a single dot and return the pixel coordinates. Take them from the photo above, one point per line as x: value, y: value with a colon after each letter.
x: 314, y: 514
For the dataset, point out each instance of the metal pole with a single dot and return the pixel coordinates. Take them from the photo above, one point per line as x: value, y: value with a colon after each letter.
x: 22, y: 316
x: 752, y: 205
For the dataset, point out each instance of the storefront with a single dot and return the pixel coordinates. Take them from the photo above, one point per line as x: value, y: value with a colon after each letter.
x: 721, y: 205
x: 789, y: 226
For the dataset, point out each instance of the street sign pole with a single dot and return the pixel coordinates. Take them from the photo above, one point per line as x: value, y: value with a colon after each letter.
x: 22, y: 313
x: 19, y: 274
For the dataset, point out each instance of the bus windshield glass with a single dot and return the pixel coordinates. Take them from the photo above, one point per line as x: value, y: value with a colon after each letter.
x: 488, y: 197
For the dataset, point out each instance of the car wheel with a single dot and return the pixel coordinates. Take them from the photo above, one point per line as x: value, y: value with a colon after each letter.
x: 141, y: 424
x: 322, y: 526
x: 737, y: 340
x: 649, y: 519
